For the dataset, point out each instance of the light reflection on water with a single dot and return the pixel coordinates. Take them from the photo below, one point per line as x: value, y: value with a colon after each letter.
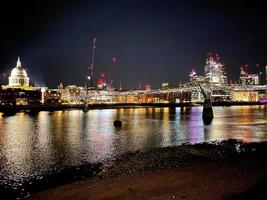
x: 34, y: 145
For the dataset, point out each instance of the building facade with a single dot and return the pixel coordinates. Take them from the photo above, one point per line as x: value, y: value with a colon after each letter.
x: 18, y: 76
x: 247, y: 78
x: 20, y: 97
x: 193, y: 76
x: 214, y: 70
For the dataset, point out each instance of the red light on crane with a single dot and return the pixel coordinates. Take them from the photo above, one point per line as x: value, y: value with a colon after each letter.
x: 114, y: 59
x: 100, y: 81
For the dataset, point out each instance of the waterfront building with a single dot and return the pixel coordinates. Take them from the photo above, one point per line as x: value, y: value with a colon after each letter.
x: 101, y: 97
x: 125, y: 97
x: 165, y: 86
x: 72, y: 94
x: 170, y: 96
x: 253, y: 79
x: 261, y: 74
x: 60, y: 88
x: 214, y: 70
x: 18, y: 92
x: 52, y: 96
x: 245, y: 96
x: 243, y: 75
x: 220, y: 94
x: 20, y: 97
x: 196, y: 95
x: 246, y: 78
x: 200, y: 79
x: 262, y: 96
x: 102, y: 83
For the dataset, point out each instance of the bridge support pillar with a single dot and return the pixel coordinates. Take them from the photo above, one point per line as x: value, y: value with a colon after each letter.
x: 207, y: 114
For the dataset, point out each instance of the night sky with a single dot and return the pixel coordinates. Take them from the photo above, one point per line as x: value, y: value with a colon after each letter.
x: 152, y: 41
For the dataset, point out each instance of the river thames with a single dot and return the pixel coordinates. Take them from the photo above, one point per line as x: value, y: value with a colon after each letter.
x: 34, y: 146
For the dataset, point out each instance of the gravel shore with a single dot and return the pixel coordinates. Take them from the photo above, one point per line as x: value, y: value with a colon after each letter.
x: 223, y: 170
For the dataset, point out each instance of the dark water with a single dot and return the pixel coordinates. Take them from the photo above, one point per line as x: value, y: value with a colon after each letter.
x: 33, y: 147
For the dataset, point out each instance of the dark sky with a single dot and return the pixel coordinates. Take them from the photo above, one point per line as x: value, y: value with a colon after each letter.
x: 153, y: 40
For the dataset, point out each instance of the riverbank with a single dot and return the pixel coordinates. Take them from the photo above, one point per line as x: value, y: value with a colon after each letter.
x: 34, y: 109
x: 14, y: 109
x: 225, y: 170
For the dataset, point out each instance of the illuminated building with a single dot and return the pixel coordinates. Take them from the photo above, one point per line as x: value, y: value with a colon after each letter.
x: 52, y: 96
x: 243, y: 74
x: 263, y: 96
x: 101, y: 83
x: 214, y: 70
x: 246, y: 78
x: 253, y: 79
x: 261, y: 74
x: 220, y: 94
x: 18, y: 92
x: 165, y: 86
x: 245, y: 96
x: 72, y: 94
x: 20, y: 97
x: 18, y: 76
x: 200, y: 79
x: 193, y: 76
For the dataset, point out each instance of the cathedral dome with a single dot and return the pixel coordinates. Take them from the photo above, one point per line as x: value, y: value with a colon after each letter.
x: 18, y: 71
x: 18, y: 76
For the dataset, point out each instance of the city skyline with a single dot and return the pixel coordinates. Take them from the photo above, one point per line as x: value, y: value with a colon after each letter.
x: 151, y: 42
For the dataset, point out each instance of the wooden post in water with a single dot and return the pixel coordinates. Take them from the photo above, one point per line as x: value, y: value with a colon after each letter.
x: 207, y: 114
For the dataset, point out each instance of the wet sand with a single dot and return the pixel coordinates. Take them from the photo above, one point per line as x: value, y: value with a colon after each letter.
x: 229, y: 171
x: 216, y: 180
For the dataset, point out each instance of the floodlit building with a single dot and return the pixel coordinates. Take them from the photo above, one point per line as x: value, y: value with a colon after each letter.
x: 253, y: 79
x: 102, y: 82
x: 214, y: 70
x: 18, y: 76
x: 245, y: 96
x: 196, y: 95
x: 52, y: 96
x: 18, y: 92
x: 246, y: 78
x: 20, y: 97
x: 261, y: 74
x: 165, y: 85
x: 193, y: 76
x: 72, y: 94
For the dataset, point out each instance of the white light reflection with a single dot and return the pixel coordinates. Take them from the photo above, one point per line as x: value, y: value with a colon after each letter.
x: 16, y: 147
x: 100, y: 136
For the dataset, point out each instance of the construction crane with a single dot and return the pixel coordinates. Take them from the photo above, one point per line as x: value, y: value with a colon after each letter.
x: 140, y: 85
x: 91, y: 67
x: 85, y: 96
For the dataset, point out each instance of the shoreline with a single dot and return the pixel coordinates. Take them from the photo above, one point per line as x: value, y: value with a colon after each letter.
x: 222, y: 181
x: 33, y: 109
x: 222, y: 170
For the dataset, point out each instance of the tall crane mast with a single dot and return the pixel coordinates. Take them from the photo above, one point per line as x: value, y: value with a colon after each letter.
x: 91, y: 67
